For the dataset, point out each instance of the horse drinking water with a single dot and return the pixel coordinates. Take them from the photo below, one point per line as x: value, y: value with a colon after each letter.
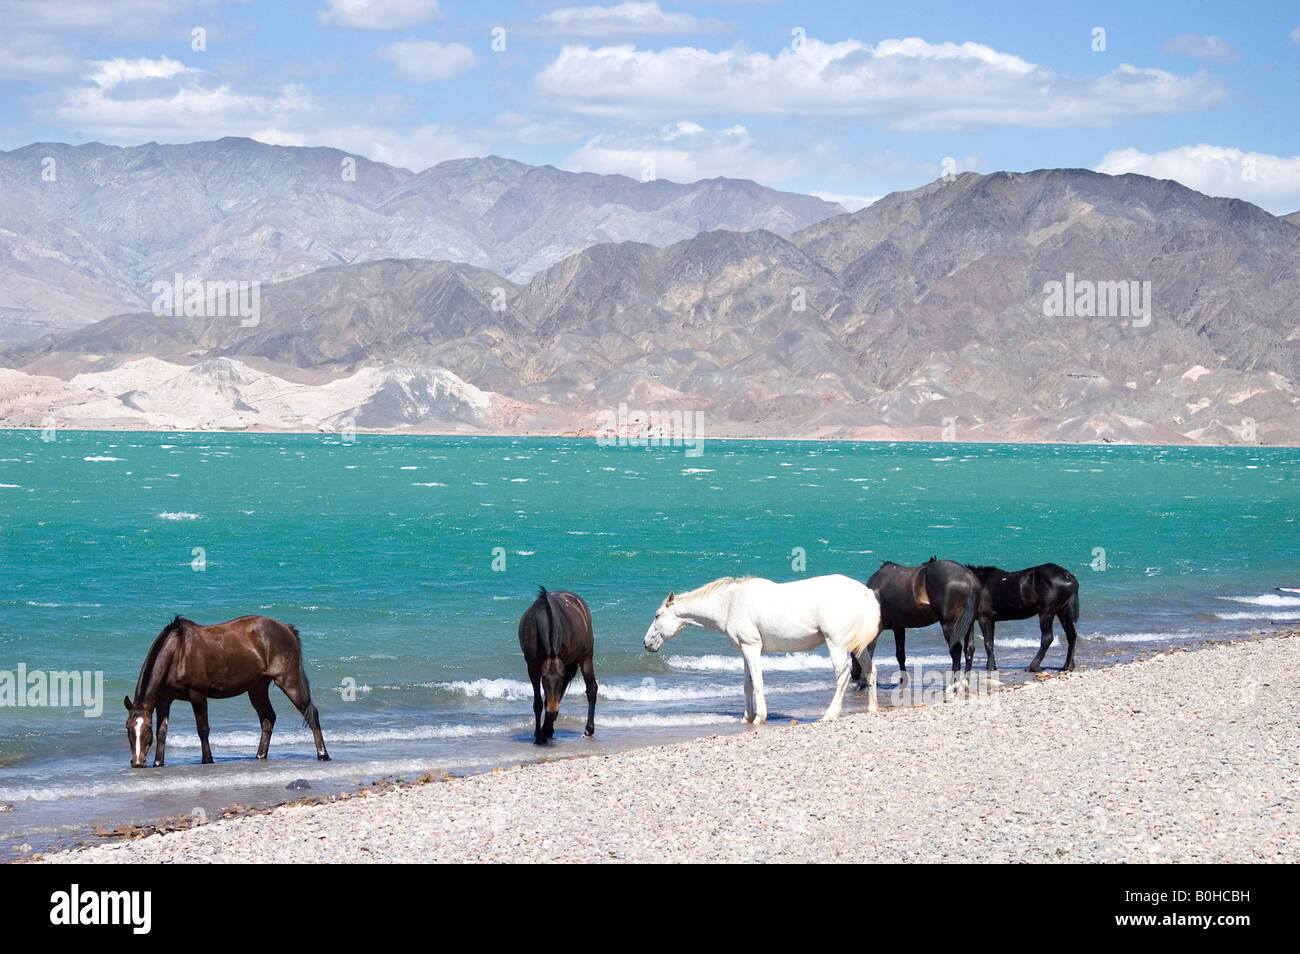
x: 555, y: 635
x: 196, y: 663
x: 759, y: 616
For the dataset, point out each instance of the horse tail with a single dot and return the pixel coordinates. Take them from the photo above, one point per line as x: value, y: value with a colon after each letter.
x: 868, y: 628
x: 549, y: 639
x: 310, y: 715
x: 1074, y: 603
x: 966, y: 619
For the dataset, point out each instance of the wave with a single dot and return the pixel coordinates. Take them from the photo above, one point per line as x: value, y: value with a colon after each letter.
x: 212, y: 778
x: 177, y: 515
x: 93, y: 459
x: 649, y: 720
x: 416, y: 733
x: 1270, y: 599
x: 778, y: 662
x: 1258, y: 615
x: 649, y: 690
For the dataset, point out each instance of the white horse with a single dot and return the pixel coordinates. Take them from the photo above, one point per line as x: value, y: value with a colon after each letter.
x: 758, y: 615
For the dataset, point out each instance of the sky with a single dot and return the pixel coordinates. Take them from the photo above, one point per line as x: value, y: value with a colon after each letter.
x: 848, y: 100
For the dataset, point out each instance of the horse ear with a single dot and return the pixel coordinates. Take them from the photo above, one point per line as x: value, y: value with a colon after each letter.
x: 670, y: 597
x: 126, y: 701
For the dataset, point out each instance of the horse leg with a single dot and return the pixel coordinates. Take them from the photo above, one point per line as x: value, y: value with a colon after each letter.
x: 840, y: 663
x: 260, y: 697
x: 535, y: 677
x: 855, y: 672
x: 900, y: 653
x: 162, y: 712
x: 986, y: 628
x: 200, y: 704
x: 589, y: 677
x: 1067, y: 624
x: 1045, y: 625
x: 749, y: 692
x: 295, y: 687
x: 754, y: 674
x: 955, y: 651
x: 870, y: 669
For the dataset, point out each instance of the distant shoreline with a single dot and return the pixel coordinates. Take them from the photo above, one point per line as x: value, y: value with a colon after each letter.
x: 571, y: 435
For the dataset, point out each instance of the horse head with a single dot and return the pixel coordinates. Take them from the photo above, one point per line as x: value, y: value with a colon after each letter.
x: 664, y: 626
x: 139, y: 731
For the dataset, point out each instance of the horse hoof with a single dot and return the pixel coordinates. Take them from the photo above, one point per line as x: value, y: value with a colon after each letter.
x: 588, y: 733
x: 322, y: 758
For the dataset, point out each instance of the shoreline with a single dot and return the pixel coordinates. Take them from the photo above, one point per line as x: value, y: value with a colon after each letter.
x: 1124, y: 713
x: 903, y: 438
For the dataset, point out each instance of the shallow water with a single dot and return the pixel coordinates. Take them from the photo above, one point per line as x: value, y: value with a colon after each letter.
x: 406, y: 561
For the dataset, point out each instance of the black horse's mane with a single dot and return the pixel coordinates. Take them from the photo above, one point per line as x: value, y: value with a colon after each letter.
x: 147, y: 669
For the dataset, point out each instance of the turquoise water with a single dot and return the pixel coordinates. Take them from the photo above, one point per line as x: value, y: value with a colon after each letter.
x: 405, y: 562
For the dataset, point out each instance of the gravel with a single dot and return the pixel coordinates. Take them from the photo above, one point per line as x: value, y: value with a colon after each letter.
x: 1189, y: 756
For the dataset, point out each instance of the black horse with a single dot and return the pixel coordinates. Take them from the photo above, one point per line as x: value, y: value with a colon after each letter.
x: 555, y: 635
x: 1044, y: 591
x: 938, y: 591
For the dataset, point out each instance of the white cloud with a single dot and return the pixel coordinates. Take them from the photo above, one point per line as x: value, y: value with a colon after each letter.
x: 1295, y: 36
x: 136, y: 18
x: 110, y: 73
x: 130, y: 101
x: 1214, y: 49
x: 377, y: 14
x: 633, y: 18
x: 1270, y: 181
x: 910, y: 84
x: 424, y: 61
x: 687, y: 152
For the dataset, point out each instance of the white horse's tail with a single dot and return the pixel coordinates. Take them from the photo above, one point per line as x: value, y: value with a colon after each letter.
x: 869, y: 627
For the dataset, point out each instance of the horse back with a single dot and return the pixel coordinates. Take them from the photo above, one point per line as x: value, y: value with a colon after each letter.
x: 571, y: 618
x: 226, y: 658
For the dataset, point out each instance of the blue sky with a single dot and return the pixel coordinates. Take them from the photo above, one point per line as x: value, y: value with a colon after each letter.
x: 849, y: 100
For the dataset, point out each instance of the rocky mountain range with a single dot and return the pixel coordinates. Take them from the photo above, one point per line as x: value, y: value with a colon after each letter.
x: 86, y: 231
x: 1053, y: 305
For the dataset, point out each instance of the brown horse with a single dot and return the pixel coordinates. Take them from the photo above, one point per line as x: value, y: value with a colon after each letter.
x: 197, y: 663
x: 555, y: 635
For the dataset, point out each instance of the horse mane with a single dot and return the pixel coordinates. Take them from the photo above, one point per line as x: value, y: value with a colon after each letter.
x: 707, y: 588
x: 977, y: 569
x: 152, y: 658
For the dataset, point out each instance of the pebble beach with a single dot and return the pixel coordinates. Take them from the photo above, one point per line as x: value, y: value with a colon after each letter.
x: 1156, y: 760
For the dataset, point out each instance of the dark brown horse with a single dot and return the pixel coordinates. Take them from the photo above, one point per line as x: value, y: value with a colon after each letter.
x: 196, y: 663
x: 1045, y: 591
x: 939, y: 591
x: 555, y: 635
